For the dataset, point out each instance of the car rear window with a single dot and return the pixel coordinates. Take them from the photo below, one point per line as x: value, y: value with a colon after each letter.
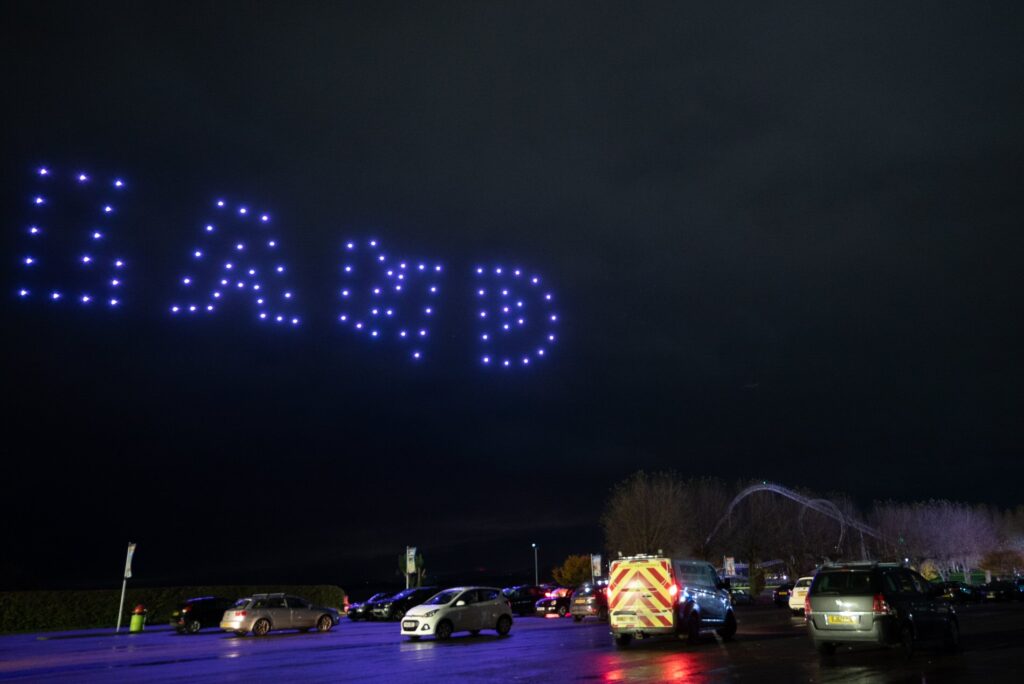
x: 844, y: 582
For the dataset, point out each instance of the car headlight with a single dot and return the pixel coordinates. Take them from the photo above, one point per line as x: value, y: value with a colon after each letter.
x: 430, y: 613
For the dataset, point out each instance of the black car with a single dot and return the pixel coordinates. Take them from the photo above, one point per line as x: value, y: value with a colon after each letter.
x: 877, y: 603
x: 590, y: 600
x: 363, y: 610
x: 394, y: 608
x: 198, y: 613
x: 781, y: 594
x: 522, y: 598
x: 741, y: 597
x: 555, y: 602
x: 958, y: 592
x: 1000, y: 590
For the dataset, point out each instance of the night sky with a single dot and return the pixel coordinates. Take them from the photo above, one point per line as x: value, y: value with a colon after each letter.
x: 784, y: 242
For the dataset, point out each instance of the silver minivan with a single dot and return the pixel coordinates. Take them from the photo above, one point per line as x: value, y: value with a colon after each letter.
x: 262, y: 613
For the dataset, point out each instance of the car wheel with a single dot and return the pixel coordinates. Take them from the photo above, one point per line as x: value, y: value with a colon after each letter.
x: 193, y: 626
x: 825, y: 648
x: 907, y: 639
x: 952, y: 640
x: 577, y: 618
x: 728, y: 630
x: 324, y: 623
x: 623, y: 640
x: 474, y: 632
x: 443, y: 631
x: 261, y: 627
x: 397, y: 614
x: 562, y: 611
x: 693, y: 629
x: 504, y: 625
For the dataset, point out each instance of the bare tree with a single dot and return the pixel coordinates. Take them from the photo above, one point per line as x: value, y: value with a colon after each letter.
x: 645, y: 513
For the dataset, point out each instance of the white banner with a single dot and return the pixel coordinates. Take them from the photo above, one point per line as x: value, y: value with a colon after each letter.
x: 128, y: 560
x: 595, y: 565
x: 410, y: 560
x: 729, y: 566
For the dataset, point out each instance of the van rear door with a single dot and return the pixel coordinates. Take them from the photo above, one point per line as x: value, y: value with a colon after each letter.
x: 641, y: 595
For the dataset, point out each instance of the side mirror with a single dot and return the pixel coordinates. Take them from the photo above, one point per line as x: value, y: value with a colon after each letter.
x: 460, y: 602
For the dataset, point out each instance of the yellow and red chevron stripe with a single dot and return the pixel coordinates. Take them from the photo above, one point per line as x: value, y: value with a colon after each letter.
x: 643, y: 588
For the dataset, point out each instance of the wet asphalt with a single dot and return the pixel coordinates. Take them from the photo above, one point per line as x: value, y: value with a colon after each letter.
x: 771, y: 646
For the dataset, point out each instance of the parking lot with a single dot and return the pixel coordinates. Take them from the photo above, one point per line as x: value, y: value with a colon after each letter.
x: 770, y: 647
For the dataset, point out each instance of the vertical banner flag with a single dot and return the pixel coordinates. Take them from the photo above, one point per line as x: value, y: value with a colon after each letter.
x: 410, y: 559
x: 595, y: 565
x: 128, y: 560
x: 729, y: 566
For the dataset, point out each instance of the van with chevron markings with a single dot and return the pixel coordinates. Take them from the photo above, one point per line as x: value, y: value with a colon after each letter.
x: 659, y: 596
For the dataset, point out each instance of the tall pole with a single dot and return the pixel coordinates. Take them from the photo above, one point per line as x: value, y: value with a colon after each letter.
x: 124, y: 582
x: 536, y: 574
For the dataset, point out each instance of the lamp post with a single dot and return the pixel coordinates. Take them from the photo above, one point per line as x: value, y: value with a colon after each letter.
x: 536, y: 575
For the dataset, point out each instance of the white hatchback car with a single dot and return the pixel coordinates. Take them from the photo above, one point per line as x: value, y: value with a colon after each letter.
x: 799, y: 593
x: 462, y: 609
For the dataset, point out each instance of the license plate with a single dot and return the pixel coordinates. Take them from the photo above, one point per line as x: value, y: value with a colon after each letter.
x: 580, y: 601
x: 840, y: 619
x: 409, y: 624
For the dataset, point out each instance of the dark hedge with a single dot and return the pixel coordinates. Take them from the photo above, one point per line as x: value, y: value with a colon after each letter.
x: 30, y: 611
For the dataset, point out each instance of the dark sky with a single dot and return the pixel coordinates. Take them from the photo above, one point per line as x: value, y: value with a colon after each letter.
x: 786, y: 243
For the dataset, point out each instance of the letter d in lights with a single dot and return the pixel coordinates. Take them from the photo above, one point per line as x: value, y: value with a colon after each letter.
x: 516, y: 320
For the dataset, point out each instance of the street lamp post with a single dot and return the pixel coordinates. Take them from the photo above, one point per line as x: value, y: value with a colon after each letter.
x: 536, y: 575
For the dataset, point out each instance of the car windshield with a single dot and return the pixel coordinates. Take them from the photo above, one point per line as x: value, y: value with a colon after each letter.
x: 443, y: 597
x: 805, y: 582
x: 241, y: 603
x: 377, y: 597
x: 857, y: 582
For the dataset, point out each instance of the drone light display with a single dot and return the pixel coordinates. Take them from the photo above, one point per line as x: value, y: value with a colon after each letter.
x: 389, y: 299
x: 237, y: 257
x: 68, y: 258
x: 517, y: 323
x: 68, y: 254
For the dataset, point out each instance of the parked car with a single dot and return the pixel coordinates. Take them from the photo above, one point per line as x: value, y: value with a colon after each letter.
x: 659, y: 596
x: 555, y: 602
x: 198, y: 613
x: 590, y: 600
x: 781, y: 594
x: 741, y: 597
x: 364, y: 610
x: 958, y: 592
x: 462, y: 609
x: 798, y: 593
x: 1000, y: 590
x: 262, y: 613
x: 522, y: 599
x: 877, y: 603
x: 394, y: 607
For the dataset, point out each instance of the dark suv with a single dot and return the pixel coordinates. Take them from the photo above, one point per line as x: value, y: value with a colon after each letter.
x: 522, y: 599
x: 877, y: 603
x: 395, y: 607
x: 197, y: 613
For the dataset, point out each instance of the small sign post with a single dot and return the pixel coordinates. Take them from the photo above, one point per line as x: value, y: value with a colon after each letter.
x: 410, y: 563
x: 124, y: 582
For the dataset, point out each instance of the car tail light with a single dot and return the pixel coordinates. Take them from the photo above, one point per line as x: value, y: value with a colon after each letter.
x: 549, y: 594
x: 673, y: 590
x: 807, y: 605
x: 879, y: 606
x: 239, y: 613
x: 186, y: 609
